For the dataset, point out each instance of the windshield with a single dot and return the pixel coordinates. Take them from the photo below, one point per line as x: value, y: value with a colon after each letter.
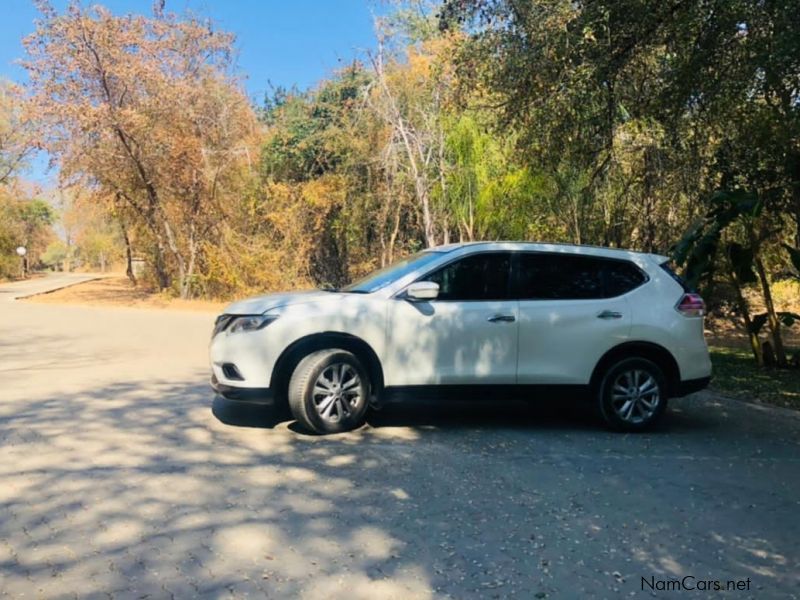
x: 383, y: 277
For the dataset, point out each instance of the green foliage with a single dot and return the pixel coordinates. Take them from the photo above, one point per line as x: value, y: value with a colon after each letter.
x: 23, y: 222
x: 55, y: 254
x: 9, y: 239
x: 304, y: 139
x: 794, y: 256
x: 697, y: 250
x: 741, y: 260
x: 36, y: 213
x: 660, y: 103
x: 736, y: 375
x: 788, y: 319
x: 486, y: 191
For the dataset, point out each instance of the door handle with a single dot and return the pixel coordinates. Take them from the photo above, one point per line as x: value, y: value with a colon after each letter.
x: 502, y: 319
x: 609, y: 314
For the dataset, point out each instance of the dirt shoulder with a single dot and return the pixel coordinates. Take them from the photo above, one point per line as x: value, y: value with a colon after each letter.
x: 116, y: 290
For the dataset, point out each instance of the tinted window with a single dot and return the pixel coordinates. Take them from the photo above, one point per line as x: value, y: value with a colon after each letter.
x: 622, y: 277
x: 379, y: 279
x: 559, y: 277
x: 476, y: 277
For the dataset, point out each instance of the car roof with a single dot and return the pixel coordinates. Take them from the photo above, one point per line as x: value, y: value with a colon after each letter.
x: 549, y: 247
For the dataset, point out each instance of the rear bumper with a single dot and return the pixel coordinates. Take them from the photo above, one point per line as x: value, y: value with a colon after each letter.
x: 690, y: 386
x: 240, y: 394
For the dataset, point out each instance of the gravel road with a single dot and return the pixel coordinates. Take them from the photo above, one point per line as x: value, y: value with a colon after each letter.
x: 121, y: 476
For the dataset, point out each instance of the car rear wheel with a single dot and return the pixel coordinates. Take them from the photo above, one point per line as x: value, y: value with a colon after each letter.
x: 633, y: 394
x: 328, y: 391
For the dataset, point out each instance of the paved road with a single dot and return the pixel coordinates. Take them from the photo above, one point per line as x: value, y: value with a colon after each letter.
x: 119, y: 477
x: 40, y: 285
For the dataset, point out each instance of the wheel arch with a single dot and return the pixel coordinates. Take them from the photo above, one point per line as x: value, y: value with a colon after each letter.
x: 637, y: 349
x: 302, y: 347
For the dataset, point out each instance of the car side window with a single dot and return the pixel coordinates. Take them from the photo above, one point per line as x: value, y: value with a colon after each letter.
x: 559, y: 277
x: 574, y: 277
x: 622, y: 277
x: 478, y: 277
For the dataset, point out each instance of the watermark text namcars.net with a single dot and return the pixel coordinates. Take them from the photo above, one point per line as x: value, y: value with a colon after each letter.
x: 690, y: 583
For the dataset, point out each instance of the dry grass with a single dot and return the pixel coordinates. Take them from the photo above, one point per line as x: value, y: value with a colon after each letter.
x: 724, y: 332
x: 116, y: 290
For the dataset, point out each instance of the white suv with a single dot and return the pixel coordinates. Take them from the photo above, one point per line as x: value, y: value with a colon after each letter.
x: 493, y: 318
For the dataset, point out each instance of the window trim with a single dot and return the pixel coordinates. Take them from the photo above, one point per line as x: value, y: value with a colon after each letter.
x: 516, y: 274
x: 667, y: 268
x: 401, y: 295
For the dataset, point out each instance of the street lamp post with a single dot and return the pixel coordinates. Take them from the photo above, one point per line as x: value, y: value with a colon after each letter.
x: 22, y: 251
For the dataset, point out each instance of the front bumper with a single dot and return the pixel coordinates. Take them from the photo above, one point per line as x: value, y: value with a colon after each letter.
x: 690, y: 386
x: 241, y: 394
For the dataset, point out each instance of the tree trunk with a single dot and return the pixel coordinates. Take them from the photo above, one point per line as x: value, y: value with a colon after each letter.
x: 794, y: 169
x: 159, y: 266
x: 128, y: 253
x: 772, y: 317
x: 186, y: 278
x: 414, y: 151
x: 395, y: 233
x: 755, y: 346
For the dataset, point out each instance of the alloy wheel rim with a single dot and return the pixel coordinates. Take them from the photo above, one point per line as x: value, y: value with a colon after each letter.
x: 635, y: 396
x: 337, y: 392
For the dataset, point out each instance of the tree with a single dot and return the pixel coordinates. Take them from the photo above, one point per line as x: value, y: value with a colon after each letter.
x: 409, y: 100
x: 56, y: 255
x: 23, y: 222
x: 15, y: 133
x: 736, y: 213
x: 20, y: 223
x: 641, y: 95
x: 144, y: 109
x: 92, y: 232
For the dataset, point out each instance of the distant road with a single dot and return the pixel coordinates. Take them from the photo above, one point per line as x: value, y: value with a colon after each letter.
x: 40, y: 285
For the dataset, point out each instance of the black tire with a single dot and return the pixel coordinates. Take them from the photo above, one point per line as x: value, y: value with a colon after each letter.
x: 625, y: 410
x: 344, y: 407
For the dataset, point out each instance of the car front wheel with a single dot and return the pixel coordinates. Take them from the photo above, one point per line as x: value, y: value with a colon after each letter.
x: 328, y: 391
x: 633, y: 394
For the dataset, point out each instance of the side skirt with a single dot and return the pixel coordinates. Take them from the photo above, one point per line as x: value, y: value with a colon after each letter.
x: 484, y: 392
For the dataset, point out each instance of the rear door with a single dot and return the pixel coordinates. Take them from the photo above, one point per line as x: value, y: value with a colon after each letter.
x: 468, y: 335
x: 572, y: 310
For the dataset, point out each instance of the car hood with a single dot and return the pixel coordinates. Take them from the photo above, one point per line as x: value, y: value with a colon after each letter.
x: 261, y: 304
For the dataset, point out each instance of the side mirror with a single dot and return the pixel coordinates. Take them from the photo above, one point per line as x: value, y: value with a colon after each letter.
x: 422, y: 290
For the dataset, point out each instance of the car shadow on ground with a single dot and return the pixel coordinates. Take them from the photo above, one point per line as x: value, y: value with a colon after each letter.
x: 242, y: 414
x: 574, y: 415
x: 136, y: 490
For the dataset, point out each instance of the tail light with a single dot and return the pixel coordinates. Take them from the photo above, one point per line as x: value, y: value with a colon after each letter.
x: 691, y: 305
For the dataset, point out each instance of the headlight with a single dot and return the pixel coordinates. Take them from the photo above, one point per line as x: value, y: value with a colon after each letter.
x: 250, y: 322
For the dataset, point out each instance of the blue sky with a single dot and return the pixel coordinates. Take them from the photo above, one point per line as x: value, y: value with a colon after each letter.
x: 285, y: 42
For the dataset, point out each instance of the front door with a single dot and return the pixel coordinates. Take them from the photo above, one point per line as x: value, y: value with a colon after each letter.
x: 468, y: 335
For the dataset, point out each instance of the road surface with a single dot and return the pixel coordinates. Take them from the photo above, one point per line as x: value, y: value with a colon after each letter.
x: 121, y: 477
x: 41, y: 285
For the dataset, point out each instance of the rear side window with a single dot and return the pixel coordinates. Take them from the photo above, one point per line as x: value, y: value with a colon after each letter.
x: 574, y: 277
x: 559, y: 277
x: 477, y: 277
x: 622, y: 277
